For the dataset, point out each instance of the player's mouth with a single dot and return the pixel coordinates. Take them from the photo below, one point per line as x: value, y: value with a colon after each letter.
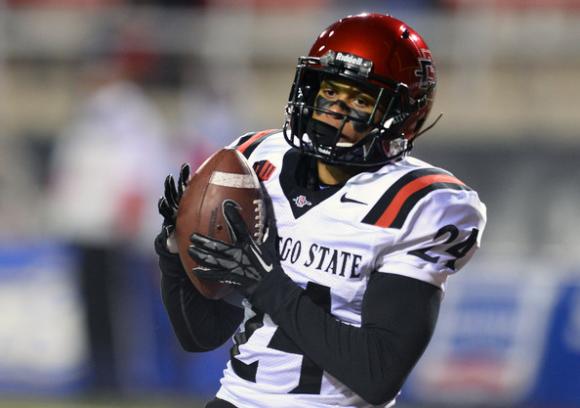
x: 348, y: 136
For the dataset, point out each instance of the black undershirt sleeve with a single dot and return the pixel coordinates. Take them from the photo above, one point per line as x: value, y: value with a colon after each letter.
x: 398, y: 319
x: 200, y: 324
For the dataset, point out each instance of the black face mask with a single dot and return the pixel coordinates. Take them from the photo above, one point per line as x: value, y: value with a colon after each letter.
x: 321, y: 140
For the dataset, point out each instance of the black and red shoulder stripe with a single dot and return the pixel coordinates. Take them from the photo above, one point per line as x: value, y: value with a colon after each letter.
x: 249, y: 142
x: 394, y: 206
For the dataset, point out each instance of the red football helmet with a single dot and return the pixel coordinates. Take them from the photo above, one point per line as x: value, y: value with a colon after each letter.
x: 383, y: 56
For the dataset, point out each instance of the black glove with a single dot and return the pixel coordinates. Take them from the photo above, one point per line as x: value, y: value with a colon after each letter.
x: 169, y: 203
x: 169, y: 262
x: 245, y: 262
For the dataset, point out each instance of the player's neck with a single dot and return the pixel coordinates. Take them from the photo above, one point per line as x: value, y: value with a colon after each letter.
x: 332, y: 175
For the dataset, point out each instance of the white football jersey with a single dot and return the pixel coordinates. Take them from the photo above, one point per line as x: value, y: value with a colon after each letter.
x: 407, y: 218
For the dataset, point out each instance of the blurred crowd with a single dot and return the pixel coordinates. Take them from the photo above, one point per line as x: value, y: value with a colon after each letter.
x: 94, y: 175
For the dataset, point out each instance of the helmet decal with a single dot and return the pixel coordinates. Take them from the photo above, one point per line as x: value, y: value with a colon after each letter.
x: 349, y: 62
x: 426, y: 72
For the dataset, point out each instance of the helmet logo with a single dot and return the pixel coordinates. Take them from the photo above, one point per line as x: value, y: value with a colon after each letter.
x: 426, y: 72
x: 348, y: 63
x: 349, y: 58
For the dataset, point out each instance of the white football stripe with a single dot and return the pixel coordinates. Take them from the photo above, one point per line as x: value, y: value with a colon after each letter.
x: 234, y: 180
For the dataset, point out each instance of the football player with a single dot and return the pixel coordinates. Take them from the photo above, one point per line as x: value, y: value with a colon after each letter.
x: 341, y: 297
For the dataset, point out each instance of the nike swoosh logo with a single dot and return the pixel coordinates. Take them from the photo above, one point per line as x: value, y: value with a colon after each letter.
x: 265, y: 266
x: 345, y: 199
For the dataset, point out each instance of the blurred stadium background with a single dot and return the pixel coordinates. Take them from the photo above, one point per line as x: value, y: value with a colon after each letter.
x: 100, y: 99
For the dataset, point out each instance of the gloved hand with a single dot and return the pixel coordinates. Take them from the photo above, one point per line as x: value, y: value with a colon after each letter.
x: 169, y: 204
x: 245, y: 262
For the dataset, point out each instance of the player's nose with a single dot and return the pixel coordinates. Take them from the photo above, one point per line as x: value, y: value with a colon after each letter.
x: 340, y: 106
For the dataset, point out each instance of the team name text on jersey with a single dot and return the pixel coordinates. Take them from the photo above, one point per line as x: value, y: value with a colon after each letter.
x: 321, y: 258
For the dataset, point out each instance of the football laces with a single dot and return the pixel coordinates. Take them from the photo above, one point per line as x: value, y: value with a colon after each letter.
x: 259, y: 219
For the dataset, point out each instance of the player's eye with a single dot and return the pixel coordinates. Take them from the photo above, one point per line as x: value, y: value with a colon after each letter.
x: 328, y: 92
x: 362, y: 102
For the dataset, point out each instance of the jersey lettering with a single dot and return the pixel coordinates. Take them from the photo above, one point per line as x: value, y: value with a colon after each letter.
x: 321, y: 258
x: 243, y: 370
x: 458, y: 250
x: 310, y: 377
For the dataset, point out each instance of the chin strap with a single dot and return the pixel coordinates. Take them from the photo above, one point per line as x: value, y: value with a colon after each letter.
x: 428, y: 127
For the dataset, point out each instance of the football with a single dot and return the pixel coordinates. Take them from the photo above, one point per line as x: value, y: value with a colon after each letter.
x: 226, y: 175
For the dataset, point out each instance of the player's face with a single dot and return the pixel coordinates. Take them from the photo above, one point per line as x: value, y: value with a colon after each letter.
x: 344, y: 98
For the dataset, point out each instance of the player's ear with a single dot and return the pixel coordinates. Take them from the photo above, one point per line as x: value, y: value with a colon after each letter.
x: 236, y: 226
